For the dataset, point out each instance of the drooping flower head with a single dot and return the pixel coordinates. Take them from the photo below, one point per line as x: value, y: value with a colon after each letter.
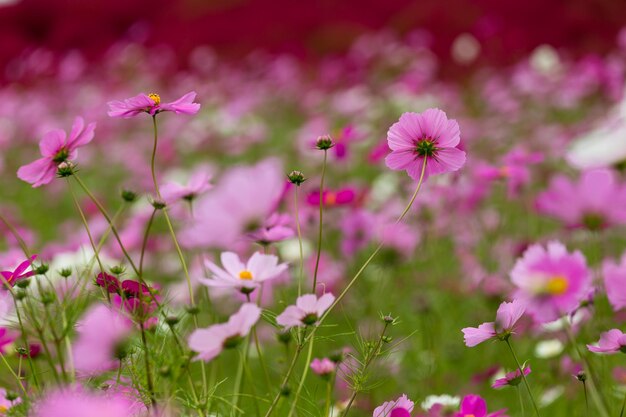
x: 610, y: 342
x: 151, y: 104
x: 402, y: 407
x: 211, y: 341
x: 78, y: 402
x: 551, y: 281
x: 511, y: 379
x: 507, y: 316
x: 306, y: 312
x: 245, y: 277
x: 429, y: 135
x: 19, y: 273
x: 56, y: 148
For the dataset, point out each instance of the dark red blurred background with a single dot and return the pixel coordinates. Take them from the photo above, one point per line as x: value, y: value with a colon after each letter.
x: 309, y: 29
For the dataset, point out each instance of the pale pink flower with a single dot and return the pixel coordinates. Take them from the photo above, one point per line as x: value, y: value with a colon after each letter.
x: 5, y: 404
x: 323, y: 367
x: 198, y: 184
x: 78, y: 402
x: 151, y: 104
x: 306, y: 312
x: 56, y: 148
x: 429, y: 135
x: 245, y: 277
x: 211, y: 341
x: 511, y: 378
x: 615, y: 282
x: 402, y: 407
x: 610, y: 342
x: 507, y: 316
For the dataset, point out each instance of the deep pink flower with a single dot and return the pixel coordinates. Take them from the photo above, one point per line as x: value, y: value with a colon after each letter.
x: 245, y: 277
x: 7, y: 336
x: 551, y: 281
x: 211, y: 341
x: 427, y: 135
x: 332, y: 198
x: 151, y: 104
x: 615, y: 282
x: 101, y: 332
x: 402, y: 407
x: 511, y: 378
x: 323, y: 367
x: 18, y: 273
x: 78, y: 402
x: 596, y: 201
x: 306, y: 312
x: 506, y: 317
x: 610, y: 342
x: 56, y: 148
x: 110, y: 283
x: 475, y: 406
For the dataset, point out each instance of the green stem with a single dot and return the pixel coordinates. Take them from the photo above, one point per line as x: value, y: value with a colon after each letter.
x: 319, y: 235
x: 299, y: 230
x: 586, y: 398
x: 305, y: 372
x: 329, y: 394
x: 145, y: 240
x: 146, y: 357
x: 521, y: 371
x: 17, y: 378
x: 621, y: 413
x: 239, y: 377
x: 521, y: 400
x: 292, y: 366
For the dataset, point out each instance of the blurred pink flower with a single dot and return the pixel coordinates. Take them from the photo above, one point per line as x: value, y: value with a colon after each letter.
x: 11, y: 277
x: 306, y: 312
x: 5, y: 404
x: 511, y: 378
x: 429, y: 135
x: 615, y: 281
x: 507, y: 316
x: 211, y: 341
x: 198, y: 184
x: 402, y: 407
x: 610, y: 342
x: 151, y: 104
x: 323, y: 367
x: 56, y: 148
x: 276, y: 228
x: 475, y: 406
x: 551, y: 281
x: 78, y: 402
x: 7, y: 336
x: 332, y: 198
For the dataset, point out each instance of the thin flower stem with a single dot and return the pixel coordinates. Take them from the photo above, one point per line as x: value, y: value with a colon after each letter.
x: 319, y: 235
x: 239, y: 377
x: 145, y: 241
x: 586, y: 398
x: 146, y: 357
x: 17, y: 378
x: 292, y: 366
x: 305, y: 372
x: 621, y: 413
x: 299, y: 230
x: 521, y: 400
x: 84, y: 221
x: 329, y: 394
x: 519, y: 366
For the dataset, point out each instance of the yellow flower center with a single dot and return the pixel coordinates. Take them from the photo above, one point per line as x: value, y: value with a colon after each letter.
x: 245, y: 274
x: 469, y: 415
x: 155, y: 97
x: 3, y: 409
x: 557, y: 285
x: 331, y: 198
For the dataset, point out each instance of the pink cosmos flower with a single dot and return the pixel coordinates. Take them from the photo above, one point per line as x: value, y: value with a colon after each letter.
x: 551, y: 281
x: 56, y: 148
x: 610, y: 342
x: 475, y: 406
x: 101, y: 332
x: 511, y: 378
x: 306, y: 312
x: 507, y: 316
x: 5, y: 404
x: 332, y: 198
x: 18, y: 273
x: 245, y: 277
x: 78, y: 402
x: 275, y: 229
x: 595, y: 202
x: 198, y: 184
x: 427, y: 135
x: 402, y: 407
x: 151, y: 104
x: 323, y: 367
x: 7, y: 336
x: 615, y: 281
x: 211, y: 341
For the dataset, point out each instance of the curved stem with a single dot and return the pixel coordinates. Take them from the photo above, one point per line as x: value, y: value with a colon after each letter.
x: 319, y: 235
x: 145, y: 241
x: 521, y: 371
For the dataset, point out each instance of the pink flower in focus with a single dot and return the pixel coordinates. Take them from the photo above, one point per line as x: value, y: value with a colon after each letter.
x: 511, y: 378
x: 244, y: 277
x: 551, y: 281
x: 11, y: 277
x: 595, y: 202
x: 507, y: 316
x: 323, y: 367
x: 610, y: 342
x: 211, y: 341
x: 101, y: 332
x: 402, y: 407
x: 428, y: 135
x: 56, y: 148
x: 475, y: 406
x: 198, y: 184
x: 78, y: 402
x: 615, y: 282
x: 151, y: 104
x: 306, y: 312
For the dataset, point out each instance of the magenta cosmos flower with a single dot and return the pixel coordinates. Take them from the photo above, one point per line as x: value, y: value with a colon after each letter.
x: 475, y: 406
x: 610, y: 342
x: 245, y: 277
x: 56, y: 148
x: 151, y: 104
x: 551, y: 281
x: 506, y: 317
x: 306, y: 312
x: 428, y: 135
x: 323, y: 367
x: 78, y: 402
x: 211, y: 341
x: 615, y: 282
x: 595, y: 202
x: 402, y: 407
x: 512, y: 378
x: 19, y: 273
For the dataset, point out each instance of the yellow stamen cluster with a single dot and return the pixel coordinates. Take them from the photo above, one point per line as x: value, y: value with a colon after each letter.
x: 245, y: 275
x: 557, y: 285
x: 155, y: 97
x: 331, y: 198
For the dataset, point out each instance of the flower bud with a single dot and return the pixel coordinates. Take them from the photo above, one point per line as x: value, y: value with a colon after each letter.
x: 324, y: 142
